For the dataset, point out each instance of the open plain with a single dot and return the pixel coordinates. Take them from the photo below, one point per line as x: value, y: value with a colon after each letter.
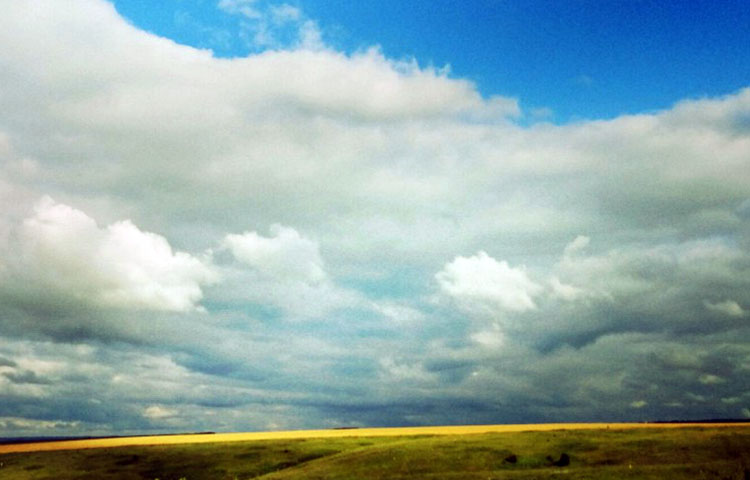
x: 579, y: 451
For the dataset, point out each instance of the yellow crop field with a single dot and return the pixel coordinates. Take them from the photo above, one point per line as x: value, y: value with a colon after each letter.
x: 337, y: 433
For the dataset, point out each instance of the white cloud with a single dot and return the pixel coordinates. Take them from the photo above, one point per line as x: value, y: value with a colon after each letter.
x: 61, y: 251
x: 483, y: 279
x: 542, y: 114
x: 286, y: 270
x: 491, y: 338
x: 399, y: 314
x: 727, y: 307
x: 274, y: 26
x: 404, y: 371
x: 245, y: 8
x: 157, y: 412
x: 578, y: 245
x: 15, y: 424
x: 564, y: 291
x: 710, y: 379
x: 639, y: 271
x: 285, y: 255
x: 310, y: 36
x: 638, y: 404
x: 285, y: 12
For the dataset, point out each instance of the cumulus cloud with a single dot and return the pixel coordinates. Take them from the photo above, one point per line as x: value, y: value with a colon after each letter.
x: 61, y: 252
x: 649, y: 288
x: 285, y: 255
x: 285, y: 271
x: 727, y: 307
x: 565, y: 291
x: 492, y: 337
x: 577, y: 245
x: 157, y: 412
x: 482, y: 279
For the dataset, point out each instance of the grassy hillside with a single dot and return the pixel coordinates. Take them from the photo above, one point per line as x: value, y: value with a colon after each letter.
x: 690, y: 453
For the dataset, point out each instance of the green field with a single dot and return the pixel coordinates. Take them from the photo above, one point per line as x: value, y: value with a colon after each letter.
x: 684, y: 453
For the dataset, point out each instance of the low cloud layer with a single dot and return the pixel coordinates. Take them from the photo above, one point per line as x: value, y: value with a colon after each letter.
x: 309, y: 238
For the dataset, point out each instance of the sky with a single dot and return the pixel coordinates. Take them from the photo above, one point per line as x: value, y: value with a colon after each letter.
x: 243, y: 215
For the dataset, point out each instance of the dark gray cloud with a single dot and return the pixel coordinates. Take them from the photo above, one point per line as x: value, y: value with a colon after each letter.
x: 25, y: 376
x: 5, y: 362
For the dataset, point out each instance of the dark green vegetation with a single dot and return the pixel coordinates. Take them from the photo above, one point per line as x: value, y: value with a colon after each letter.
x: 685, y: 453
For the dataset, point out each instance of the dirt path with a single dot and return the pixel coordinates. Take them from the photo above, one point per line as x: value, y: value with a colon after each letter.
x: 359, y: 432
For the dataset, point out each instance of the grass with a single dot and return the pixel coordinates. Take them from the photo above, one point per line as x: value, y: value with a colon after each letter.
x: 689, y: 453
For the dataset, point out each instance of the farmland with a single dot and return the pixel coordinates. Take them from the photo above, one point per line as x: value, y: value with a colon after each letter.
x: 516, y: 452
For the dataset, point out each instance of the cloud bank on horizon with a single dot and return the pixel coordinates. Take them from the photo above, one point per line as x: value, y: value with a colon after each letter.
x: 305, y: 237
